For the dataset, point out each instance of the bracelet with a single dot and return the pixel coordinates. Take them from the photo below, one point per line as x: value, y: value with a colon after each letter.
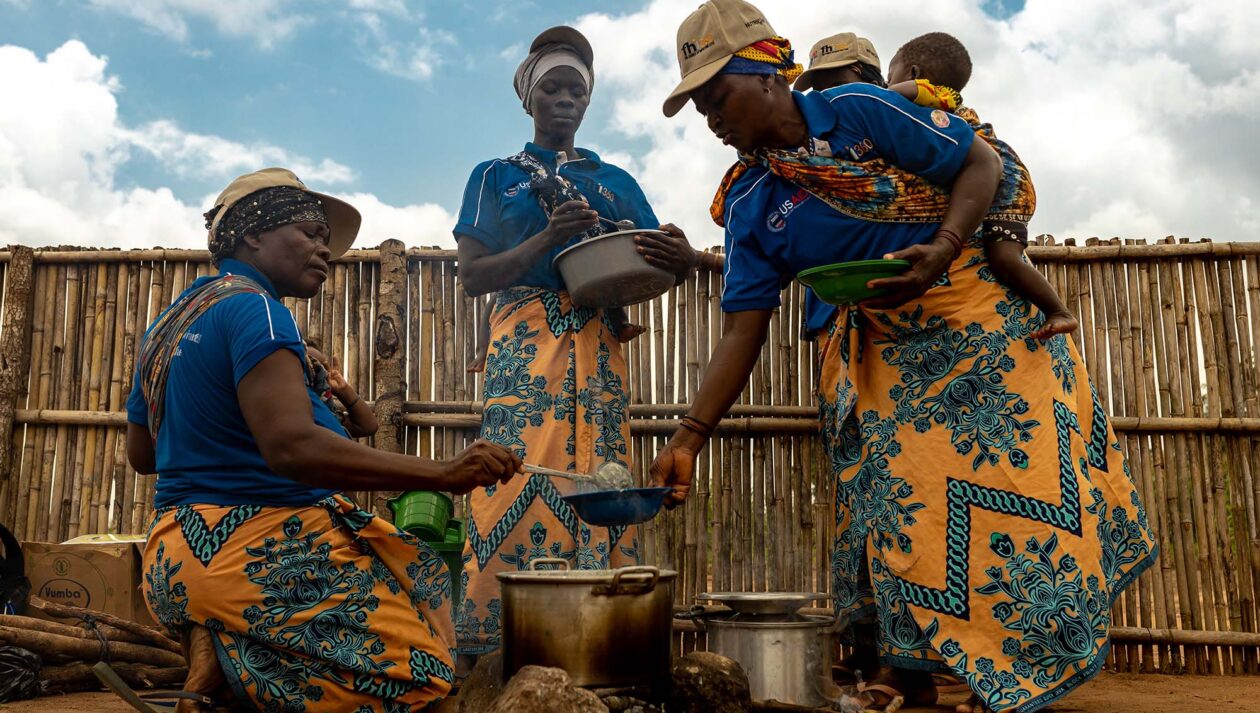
x: 357, y: 399
x: 953, y: 238
x: 695, y: 425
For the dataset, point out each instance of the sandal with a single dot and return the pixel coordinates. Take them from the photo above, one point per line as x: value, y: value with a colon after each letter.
x: 162, y: 702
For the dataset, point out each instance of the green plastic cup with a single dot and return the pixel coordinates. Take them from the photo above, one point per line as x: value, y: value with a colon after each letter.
x: 844, y: 283
x: 423, y: 513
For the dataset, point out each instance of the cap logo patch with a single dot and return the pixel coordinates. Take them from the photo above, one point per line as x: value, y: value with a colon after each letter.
x: 696, y: 46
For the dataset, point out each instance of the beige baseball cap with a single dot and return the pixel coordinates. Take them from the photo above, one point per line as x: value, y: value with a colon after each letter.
x: 707, y: 40
x: 839, y: 50
x: 343, y: 219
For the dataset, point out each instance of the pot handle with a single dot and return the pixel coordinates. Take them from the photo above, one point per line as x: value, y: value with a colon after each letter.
x: 696, y: 615
x: 636, y: 585
x: 533, y: 564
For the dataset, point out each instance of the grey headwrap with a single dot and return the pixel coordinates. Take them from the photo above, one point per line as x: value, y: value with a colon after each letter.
x: 543, y: 60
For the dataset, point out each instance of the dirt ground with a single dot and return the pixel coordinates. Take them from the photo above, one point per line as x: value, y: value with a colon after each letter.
x: 1109, y: 693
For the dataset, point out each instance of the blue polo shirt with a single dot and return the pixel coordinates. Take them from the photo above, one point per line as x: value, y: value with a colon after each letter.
x: 205, y: 450
x: 775, y: 229
x: 500, y: 212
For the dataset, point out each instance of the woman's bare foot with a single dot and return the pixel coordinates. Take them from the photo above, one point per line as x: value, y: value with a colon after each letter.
x: 629, y: 331
x: 1057, y: 323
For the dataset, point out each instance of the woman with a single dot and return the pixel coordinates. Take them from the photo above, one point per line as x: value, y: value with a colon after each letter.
x: 841, y: 58
x: 277, y: 582
x: 555, y: 378
x: 984, y: 503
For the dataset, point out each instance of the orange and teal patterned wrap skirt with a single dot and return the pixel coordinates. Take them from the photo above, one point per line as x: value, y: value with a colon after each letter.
x: 555, y: 394
x: 318, y: 608
x: 985, y: 515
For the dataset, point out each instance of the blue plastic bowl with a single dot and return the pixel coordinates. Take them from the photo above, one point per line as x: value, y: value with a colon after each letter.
x: 609, y: 508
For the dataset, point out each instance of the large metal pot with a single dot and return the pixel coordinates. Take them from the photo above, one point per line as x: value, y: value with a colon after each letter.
x: 608, y: 271
x: 606, y: 628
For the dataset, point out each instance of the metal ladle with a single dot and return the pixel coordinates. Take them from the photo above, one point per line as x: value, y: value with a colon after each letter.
x: 610, y: 476
x: 619, y: 224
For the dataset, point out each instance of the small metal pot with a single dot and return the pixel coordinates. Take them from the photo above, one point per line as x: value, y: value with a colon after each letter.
x: 785, y: 656
x: 606, y: 628
x: 608, y: 271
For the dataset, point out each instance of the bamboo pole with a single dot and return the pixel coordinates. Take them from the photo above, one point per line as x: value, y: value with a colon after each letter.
x: 33, y: 438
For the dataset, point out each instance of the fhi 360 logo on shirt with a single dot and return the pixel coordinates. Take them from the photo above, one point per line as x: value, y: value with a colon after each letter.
x: 777, y: 220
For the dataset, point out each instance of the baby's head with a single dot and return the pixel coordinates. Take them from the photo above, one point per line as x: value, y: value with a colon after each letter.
x: 937, y: 57
x: 312, y: 350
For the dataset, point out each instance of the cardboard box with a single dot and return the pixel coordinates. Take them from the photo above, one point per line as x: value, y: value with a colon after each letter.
x: 102, y: 573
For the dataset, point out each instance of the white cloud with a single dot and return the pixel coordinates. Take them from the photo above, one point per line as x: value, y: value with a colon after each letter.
x: 411, y: 50
x: 264, y: 21
x: 203, y: 156
x: 1136, y: 118
x: 62, y: 145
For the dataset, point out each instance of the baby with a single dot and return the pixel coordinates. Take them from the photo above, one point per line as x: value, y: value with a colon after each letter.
x: 340, y: 397
x: 931, y: 70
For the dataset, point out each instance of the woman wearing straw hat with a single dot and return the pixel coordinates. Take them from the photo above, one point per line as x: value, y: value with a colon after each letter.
x: 287, y: 595
x: 555, y: 378
x: 985, y: 516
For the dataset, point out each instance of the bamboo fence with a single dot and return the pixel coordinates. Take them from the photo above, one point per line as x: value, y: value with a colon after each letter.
x: 1170, y: 333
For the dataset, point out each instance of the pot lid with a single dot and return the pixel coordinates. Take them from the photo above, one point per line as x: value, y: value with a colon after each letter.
x: 764, y: 603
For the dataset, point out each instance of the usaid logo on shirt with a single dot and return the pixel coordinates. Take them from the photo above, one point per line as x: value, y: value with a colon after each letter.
x: 777, y: 220
x: 513, y: 190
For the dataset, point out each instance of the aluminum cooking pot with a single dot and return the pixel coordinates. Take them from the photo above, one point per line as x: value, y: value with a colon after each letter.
x: 786, y: 657
x: 606, y: 628
x: 608, y: 271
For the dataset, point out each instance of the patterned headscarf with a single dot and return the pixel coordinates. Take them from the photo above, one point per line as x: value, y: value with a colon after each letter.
x: 259, y: 212
x: 772, y: 56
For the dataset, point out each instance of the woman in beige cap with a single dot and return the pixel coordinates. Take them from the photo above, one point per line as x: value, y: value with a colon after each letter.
x: 840, y: 59
x: 555, y: 377
x: 287, y: 594
x: 984, y: 511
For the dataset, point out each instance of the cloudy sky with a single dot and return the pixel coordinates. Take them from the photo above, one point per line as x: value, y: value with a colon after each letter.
x: 121, y: 119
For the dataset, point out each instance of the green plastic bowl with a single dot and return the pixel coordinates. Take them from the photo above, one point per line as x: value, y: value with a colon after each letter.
x: 844, y: 283
x: 423, y: 513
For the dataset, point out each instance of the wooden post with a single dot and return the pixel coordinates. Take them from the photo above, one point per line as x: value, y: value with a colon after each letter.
x: 391, y: 385
x: 15, y: 360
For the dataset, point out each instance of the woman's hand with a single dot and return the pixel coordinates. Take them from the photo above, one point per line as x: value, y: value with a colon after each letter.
x: 928, y: 261
x: 567, y: 220
x: 481, y: 464
x: 670, y: 252
x: 674, y: 466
